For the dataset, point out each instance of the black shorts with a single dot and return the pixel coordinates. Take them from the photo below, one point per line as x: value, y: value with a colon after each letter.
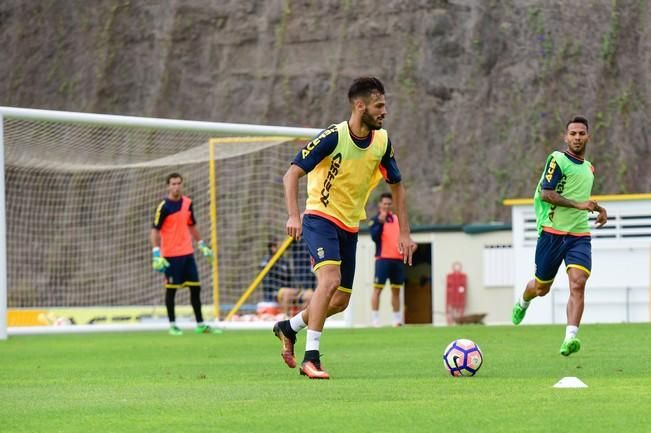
x: 389, y: 269
x: 331, y: 245
x: 552, y: 250
x: 182, y: 272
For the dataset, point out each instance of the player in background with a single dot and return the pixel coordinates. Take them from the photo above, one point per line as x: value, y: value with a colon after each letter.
x: 385, y: 231
x: 343, y: 164
x: 562, y: 202
x: 278, y: 276
x: 172, y: 233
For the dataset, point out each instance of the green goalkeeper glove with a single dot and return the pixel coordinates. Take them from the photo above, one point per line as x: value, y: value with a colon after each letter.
x: 207, y: 252
x: 157, y: 262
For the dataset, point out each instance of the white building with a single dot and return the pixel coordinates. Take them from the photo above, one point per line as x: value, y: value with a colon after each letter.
x: 485, y: 254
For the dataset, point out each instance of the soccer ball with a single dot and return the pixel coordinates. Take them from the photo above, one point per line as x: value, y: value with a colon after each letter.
x: 462, y: 358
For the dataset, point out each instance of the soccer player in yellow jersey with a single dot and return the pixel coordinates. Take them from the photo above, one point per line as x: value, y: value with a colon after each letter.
x: 343, y: 164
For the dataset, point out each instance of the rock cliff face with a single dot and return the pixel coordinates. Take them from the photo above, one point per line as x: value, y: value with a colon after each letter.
x: 478, y: 91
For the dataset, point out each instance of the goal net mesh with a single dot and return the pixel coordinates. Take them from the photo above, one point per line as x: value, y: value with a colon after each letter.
x: 80, y: 202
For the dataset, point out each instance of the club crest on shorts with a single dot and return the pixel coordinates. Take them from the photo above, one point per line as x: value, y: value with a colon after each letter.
x: 320, y: 252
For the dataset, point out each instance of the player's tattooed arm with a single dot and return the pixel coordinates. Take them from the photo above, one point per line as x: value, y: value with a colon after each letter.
x: 553, y: 197
x: 290, y: 184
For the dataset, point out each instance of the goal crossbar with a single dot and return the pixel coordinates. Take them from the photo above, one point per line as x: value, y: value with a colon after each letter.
x: 219, y: 128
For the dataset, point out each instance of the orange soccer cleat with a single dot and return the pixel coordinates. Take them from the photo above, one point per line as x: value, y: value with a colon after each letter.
x: 313, y: 370
x: 287, y: 338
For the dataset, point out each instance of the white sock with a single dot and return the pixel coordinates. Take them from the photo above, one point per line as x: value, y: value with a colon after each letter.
x: 199, y: 323
x: 524, y: 304
x: 172, y: 324
x: 571, y: 331
x: 375, y: 317
x: 397, y: 317
x: 297, y: 323
x: 313, y: 338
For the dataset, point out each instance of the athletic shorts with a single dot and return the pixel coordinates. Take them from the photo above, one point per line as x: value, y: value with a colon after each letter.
x: 182, y: 272
x: 389, y: 269
x: 553, y: 249
x: 331, y: 245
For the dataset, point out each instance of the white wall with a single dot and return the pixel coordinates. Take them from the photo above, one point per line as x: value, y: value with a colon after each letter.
x: 447, y: 248
x: 469, y: 251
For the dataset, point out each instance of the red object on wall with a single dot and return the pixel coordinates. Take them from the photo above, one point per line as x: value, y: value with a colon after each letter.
x: 457, y: 284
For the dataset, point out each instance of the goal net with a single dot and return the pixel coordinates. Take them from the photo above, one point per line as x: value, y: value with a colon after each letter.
x: 80, y: 199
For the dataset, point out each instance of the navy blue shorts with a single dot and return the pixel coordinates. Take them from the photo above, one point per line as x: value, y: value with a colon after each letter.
x: 182, y: 272
x: 553, y: 249
x: 329, y: 244
x: 389, y: 269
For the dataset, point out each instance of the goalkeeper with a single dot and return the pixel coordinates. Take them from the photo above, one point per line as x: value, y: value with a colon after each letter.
x: 171, y: 237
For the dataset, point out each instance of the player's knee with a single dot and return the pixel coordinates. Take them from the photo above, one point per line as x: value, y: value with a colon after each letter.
x: 542, y: 290
x: 577, y: 286
x: 578, y: 279
x: 331, y: 284
x: 338, y: 304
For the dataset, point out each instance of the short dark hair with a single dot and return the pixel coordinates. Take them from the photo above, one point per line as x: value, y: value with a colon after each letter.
x: 578, y: 119
x: 365, y: 87
x: 174, y: 176
x: 273, y: 242
x: 386, y: 195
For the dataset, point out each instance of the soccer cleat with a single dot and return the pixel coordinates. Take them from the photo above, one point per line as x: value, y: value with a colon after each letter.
x: 207, y: 329
x: 287, y: 341
x: 570, y: 346
x: 313, y: 370
x: 518, y: 313
x: 176, y: 331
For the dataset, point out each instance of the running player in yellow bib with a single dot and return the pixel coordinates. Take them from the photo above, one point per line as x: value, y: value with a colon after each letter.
x: 343, y: 164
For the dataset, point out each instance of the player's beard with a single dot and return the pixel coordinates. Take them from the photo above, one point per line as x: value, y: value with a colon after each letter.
x: 578, y: 149
x: 369, y: 121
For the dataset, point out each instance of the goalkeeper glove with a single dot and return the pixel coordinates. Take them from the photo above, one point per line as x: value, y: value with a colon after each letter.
x: 157, y: 262
x: 207, y: 252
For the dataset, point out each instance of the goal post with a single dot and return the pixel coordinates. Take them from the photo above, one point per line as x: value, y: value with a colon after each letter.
x: 258, y: 278
x: 3, y: 238
x: 79, y: 193
x: 213, y: 143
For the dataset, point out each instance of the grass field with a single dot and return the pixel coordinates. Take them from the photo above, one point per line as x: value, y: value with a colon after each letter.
x: 384, y: 380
